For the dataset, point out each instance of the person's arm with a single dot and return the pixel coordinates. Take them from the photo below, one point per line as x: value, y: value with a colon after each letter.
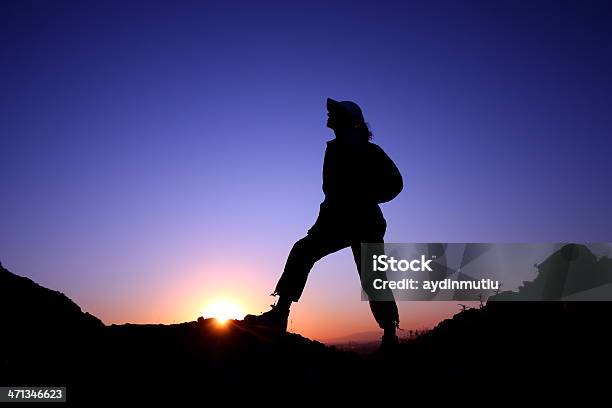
x: 326, y: 171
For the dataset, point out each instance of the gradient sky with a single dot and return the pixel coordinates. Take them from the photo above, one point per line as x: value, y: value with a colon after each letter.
x: 158, y: 155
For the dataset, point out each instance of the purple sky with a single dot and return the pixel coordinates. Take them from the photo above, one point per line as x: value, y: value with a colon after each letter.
x: 157, y: 155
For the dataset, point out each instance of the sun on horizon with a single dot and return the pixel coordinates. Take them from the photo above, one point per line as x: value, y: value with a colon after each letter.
x: 223, y: 310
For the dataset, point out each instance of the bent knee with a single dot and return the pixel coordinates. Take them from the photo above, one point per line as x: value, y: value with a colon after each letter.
x: 303, y: 245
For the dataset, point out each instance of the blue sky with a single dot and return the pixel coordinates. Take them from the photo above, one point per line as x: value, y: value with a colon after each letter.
x: 158, y: 154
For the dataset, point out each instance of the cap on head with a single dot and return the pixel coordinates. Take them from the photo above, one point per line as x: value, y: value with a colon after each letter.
x: 351, y: 109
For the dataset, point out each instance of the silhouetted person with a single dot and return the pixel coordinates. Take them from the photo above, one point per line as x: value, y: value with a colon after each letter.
x: 357, y: 176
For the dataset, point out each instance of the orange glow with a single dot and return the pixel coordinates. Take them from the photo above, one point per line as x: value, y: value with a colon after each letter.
x: 325, y: 312
x: 223, y: 310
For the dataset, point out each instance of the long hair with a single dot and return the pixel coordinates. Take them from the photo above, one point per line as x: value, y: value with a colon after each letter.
x: 364, y: 131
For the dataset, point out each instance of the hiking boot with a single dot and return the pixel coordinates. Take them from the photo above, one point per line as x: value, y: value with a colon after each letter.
x: 275, y: 319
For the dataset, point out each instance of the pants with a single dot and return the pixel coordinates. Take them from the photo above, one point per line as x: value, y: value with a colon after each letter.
x: 328, y: 235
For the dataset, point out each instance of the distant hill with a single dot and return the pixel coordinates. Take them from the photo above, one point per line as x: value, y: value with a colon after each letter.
x: 47, y: 339
x: 361, y: 337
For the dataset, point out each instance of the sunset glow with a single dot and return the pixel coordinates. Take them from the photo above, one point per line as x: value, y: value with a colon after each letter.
x: 223, y: 310
x: 162, y: 161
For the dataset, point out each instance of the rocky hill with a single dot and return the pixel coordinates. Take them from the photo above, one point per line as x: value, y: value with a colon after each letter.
x: 47, y: 339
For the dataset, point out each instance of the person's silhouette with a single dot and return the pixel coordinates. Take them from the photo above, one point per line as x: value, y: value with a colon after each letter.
x: 357, y: 176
